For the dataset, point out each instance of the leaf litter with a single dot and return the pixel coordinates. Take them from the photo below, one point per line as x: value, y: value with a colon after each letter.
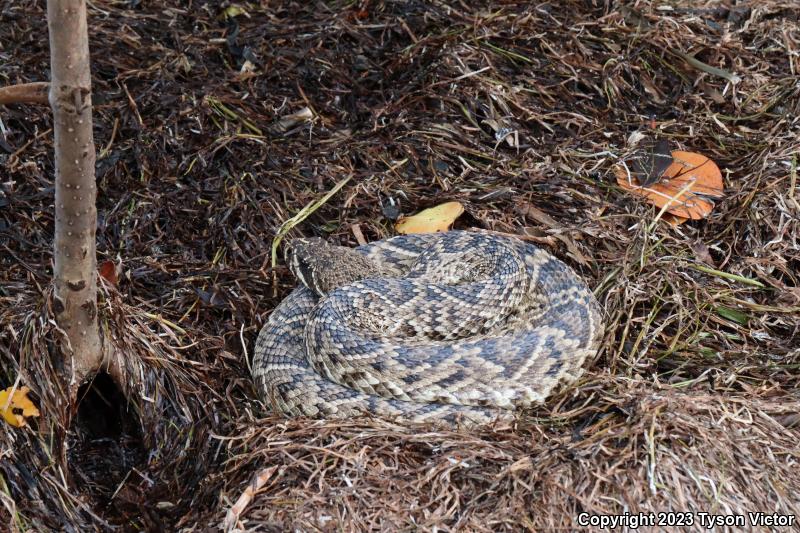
x: 517, y: 111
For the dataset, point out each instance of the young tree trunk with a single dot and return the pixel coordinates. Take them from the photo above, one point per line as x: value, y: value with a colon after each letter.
x: 75, y: 296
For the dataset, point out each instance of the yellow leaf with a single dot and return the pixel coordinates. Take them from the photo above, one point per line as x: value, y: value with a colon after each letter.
x: 19, y: 407
x: 234, y: 11
x: 438, y: 218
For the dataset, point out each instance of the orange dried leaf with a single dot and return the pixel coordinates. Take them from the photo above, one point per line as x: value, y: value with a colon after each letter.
x: 688, y: 187
x: 16, y: 407
x: 108, y: 270
x: 673, y: 220
x: 438, y: 218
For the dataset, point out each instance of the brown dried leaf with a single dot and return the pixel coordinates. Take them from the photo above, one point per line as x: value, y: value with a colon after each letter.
x: 108, y: 270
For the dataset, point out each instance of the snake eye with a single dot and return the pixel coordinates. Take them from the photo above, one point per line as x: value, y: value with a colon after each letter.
x: 298, y: 259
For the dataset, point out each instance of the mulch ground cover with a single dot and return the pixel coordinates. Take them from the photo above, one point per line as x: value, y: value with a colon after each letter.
x: 216, y: 122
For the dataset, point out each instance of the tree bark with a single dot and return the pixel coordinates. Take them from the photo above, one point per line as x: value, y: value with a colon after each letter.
x: 75, y: 294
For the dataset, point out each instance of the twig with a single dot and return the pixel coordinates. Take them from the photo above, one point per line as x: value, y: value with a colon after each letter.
x: 233, y: 514
x: 25, y: 93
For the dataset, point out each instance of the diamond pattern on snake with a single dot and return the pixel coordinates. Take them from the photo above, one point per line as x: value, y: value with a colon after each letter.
x: 459, y: 327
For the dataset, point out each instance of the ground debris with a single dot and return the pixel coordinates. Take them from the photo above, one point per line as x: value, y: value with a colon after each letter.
x: 215, y: 125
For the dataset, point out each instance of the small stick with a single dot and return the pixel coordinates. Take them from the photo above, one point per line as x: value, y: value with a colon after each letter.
x: 25, y: 93
x: 231, y: 520
x: 358, y: 234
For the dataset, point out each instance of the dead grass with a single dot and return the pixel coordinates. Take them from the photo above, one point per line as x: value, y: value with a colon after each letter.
x: 690, y: 406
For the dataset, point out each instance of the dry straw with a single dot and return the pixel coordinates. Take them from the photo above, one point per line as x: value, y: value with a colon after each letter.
x: 692, y: 403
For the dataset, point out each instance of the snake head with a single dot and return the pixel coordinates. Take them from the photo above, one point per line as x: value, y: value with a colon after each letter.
x: 301, y: 260
x: 323, y: 267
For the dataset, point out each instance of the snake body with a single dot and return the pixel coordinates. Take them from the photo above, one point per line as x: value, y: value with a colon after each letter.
x: 456, y: 327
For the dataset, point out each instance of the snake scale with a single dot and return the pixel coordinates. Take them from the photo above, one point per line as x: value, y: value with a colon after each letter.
x: 460, y: 327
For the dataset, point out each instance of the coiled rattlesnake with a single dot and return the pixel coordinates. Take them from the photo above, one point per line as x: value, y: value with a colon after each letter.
x: 450, y: 326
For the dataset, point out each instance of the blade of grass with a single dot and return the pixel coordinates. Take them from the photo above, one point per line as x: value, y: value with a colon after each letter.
x: 301, y: 215
x: 728, y: 275
x: 714, y: 71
